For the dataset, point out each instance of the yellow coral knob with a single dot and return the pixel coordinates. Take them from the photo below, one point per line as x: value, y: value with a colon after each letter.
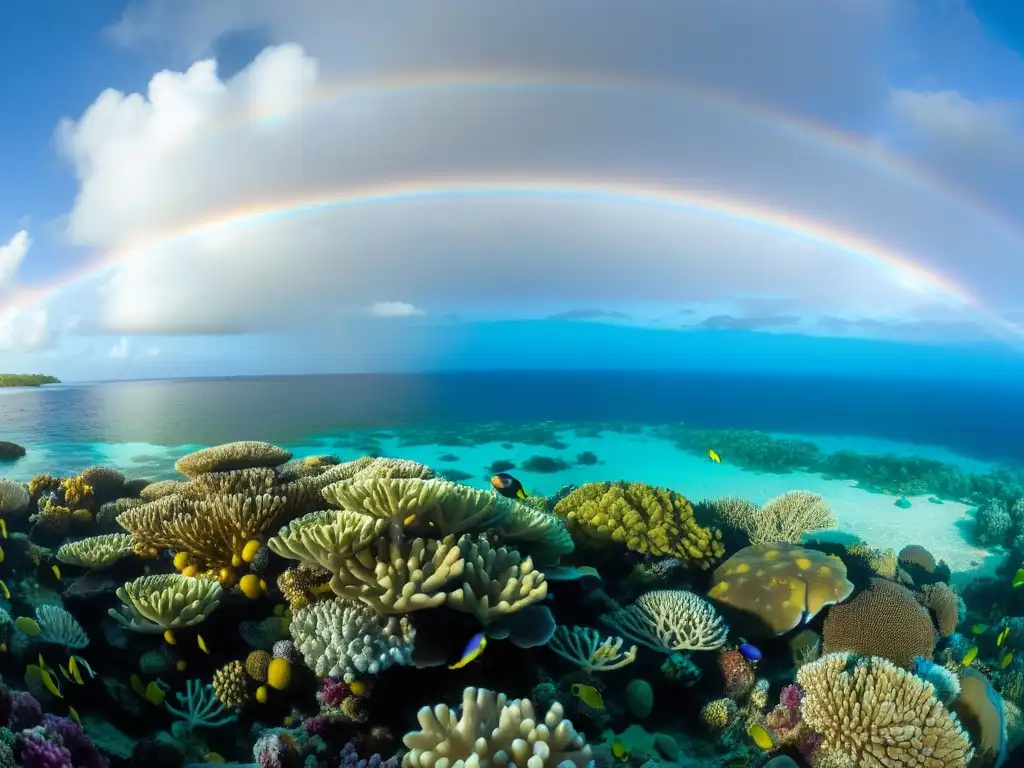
x: 279, y: 674
x: 226, y: 576
x: 359, y: 688
x: 236, y: 561
x: 189, y: 570
x: 250, y: 550
x: 262, y: 694
x: 252, y: 586
x: 181, y: 561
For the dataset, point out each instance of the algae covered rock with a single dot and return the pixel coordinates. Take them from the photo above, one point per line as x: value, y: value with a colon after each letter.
x: 10, y: 451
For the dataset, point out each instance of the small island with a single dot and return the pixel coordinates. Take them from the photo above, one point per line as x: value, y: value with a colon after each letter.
x: 26, y: 379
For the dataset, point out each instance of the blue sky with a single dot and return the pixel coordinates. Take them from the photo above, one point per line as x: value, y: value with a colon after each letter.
x: 638, y: 175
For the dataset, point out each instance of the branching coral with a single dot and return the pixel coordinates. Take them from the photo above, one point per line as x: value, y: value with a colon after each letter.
x: 344, y: 639
x: 670, y: 620
x: 871, y: 712
x: 495, y: 581
x: 97, y: 552
x: 789, y: 516
x: 154, y: 604
x: 327, y: 538
x: 14, y: 498
x: 493, y: 730
x: 200, y: 707
x: 779, y: 585
x: 646, y: 519
x: 584, y: 647
x: 240, y: 455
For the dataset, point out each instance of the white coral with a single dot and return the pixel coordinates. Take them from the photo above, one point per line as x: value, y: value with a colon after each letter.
x: 671, y: 620
x: 14, y: 497
x: 347, y: 639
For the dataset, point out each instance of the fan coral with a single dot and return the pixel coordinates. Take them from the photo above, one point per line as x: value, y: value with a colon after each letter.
x: 871, y: 712
x: 884, y: 620
x: 14, y: 497
x: 59, y: 627
x: 646, y: 519
x: 777, y: 586
x: 584, y: 647
x: 492, y: 728
x: 97, y: 552
x: 344, y: 639
x: 670, y: 620
x: 240, y: 455
x: 167, y: 601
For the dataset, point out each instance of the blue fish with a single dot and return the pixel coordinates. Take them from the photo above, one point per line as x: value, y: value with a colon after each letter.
x: 474, y: 648
x: 750, y: 652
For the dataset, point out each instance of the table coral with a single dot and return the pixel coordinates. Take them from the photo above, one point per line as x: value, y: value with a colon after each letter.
x: 646, y: 519
x: 153, y: 604
x: 239, y: 455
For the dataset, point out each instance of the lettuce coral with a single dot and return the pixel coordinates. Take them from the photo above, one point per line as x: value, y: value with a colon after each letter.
x: 646, y: 519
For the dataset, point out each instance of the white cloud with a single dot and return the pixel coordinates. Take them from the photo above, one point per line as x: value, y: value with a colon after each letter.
x: 122, y: 349
x: 152, y: 351
x: 24, y: 329
x: 12, y: 255
x: 394, y: 309
x: 191, y: 149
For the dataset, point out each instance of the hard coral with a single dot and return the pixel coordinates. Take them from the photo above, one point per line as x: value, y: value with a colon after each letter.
x: 670, y: 620
x: 646, y: 519
x: 884, y: 620
x: 943, y: 603
x: 231, y: 686
x: 240, y: 455
x: 737, y: 672
x: 775, y: 587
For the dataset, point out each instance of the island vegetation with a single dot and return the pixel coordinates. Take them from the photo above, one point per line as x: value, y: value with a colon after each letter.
x: 26, y: 379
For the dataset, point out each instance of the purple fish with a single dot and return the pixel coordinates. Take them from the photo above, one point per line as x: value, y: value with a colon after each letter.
x: 750, y: 652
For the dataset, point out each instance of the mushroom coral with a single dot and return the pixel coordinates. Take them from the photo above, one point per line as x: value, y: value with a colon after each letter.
x: 648, y: 520
x: 776, y: 587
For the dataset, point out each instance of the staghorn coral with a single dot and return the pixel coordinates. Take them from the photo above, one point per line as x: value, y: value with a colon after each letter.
x: 584, y: 647
x: 249, y: 482
x: 97, y: 552
x: 495, y: 581
x: 646, y: 519
x: 884, y: 620
x: 213, y: 530
x: 153, y: 604
x: 15, y: 498
x: 491, y: 729
x: 240, y: 455
x: 449, y: 507
x: 670, y: 620
x: 871, y: 712
x: 779, y: 585
x: 346, y: 640
x: 941, y: 600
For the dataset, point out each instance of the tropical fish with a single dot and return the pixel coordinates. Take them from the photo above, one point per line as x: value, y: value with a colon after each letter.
x: 27, y: 625
x: 1005, y: 661
x: 56, y: 571
x: 5, y: 590
x: 971, y: 655
x: 761, y: 736
x: 1001, y: 638
x: 476, y: 645
x: 65, y: 673
x: 3, y: 527
x: 979, y: 629
x: 155, y: 694
x: 1018, y: 578
x: 619, y: 750
x: 169, y: 638
x: 589, y: 695
x: 2, y: 553
x: 750, y: 652
x: 49, y: 682
x: 75, y: 663
x: 214, y: 757
x: 508, y: 486
x: 136, y: 683
x: 202, y: 644
x: 74, y: 715
x: 714, y: 456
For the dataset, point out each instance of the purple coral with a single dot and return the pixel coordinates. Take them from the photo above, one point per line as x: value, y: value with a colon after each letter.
x: 83, y: 752
x: 5, y: 704
x: 25, y: 711
x: 349, y: 758
x: 333, y: 692
x: 35, y: 750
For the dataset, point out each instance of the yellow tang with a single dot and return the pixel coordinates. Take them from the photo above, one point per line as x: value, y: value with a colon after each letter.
x: 979, y: 629
x: 136, y: 683
x: 1005, y: 661
x: 714, y: 456
x: 56, y: 571
x: 201, y: 643
x: 619, y: 750
x: 589, y: 695
x: 761, y: 736
x: 5, y: 590
x: 74, y: 715
x: 27, y: 625
x: 155, y: 694
x: 2, y: 553
x: 1018, y: 578
x: 971, y: 655
x: 76, y: 676
x: 1002, y: 637
x: 3, y: 527
x: 50, y: 683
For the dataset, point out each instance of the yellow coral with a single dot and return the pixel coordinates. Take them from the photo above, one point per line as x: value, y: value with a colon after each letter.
x: 42, y: 484
x: 881, y: 562
x: 300, y: 584
x: 719, y: 714
x: 77, y: 492
x: 646, y: 519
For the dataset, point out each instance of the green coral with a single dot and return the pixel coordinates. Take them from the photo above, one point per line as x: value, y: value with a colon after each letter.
x: 649, y: 520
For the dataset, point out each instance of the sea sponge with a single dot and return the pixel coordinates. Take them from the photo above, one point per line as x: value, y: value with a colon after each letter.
x: 534, y: 528
x: 299, y: 585
x: 327, y: 538
x: 154, y: 604
x: 884, y: 620
x: 871, y: 712
x: 231, y: 686
x: 777, y: 586
x: 59, y: 627
x: 670, y: 620
x: 161, y: 489
x: 737, y: 672
x: 495, y: 581
x: 97, y: 552
x: 941, y: 600
x: 348, y: 640
x: 256, y: 664
x: 40, y: 485
x: 78, y: 494
x: 240, y: 455
x: 449, y: 507
x: 719, y: 714
x: 917, y: 556
x: 14, y: 498
x: 107, y: 484
x: 646, y: 519
x: 490, y: 729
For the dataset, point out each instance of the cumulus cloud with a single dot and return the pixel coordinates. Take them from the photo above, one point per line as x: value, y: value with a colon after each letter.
x: 24, y: 329
x: 11, y: 256
x: 156, y: 168
x: 122, y: 349
x: 394, y: 309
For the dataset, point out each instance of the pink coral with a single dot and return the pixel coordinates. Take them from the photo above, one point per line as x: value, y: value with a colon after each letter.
x: 738, y: 673
x: 784, y: 720
x: 333, y: 692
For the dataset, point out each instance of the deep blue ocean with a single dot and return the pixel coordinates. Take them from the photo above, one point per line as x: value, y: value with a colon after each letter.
x: 984, y: 420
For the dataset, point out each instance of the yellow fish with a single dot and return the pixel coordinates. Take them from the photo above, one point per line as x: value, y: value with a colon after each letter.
x: 2, y: 553
x: 5, y: 590
x: 589, y: 695
x: 155, y: 694
x: 619, y: 750
x: 1002, y: 637
x: 27, y: 625
x: 714, y: 456
x: 201, y: 643
x: 1005, y: 661
x: 971, y: 655
x: 56, y: 571
x: 50, y: 683
x: 761, y: 736
x: 169, y: 638
x: 181, y: 665
x: 979, y: 629
x: 476, y: 645
x: 74, y: 716
x: 76, y: 676
x: 3, y: 647
x: 136, y: 683
x: 1018, y: 578
x: 3, y: 527
x: 64, y: 672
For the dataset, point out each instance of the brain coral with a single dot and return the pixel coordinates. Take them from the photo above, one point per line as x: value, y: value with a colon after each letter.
x: 884, y: 620
x: 871, y: 713
x: 942, y: 601
x: 779, y: 585
x: 646, y: 519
